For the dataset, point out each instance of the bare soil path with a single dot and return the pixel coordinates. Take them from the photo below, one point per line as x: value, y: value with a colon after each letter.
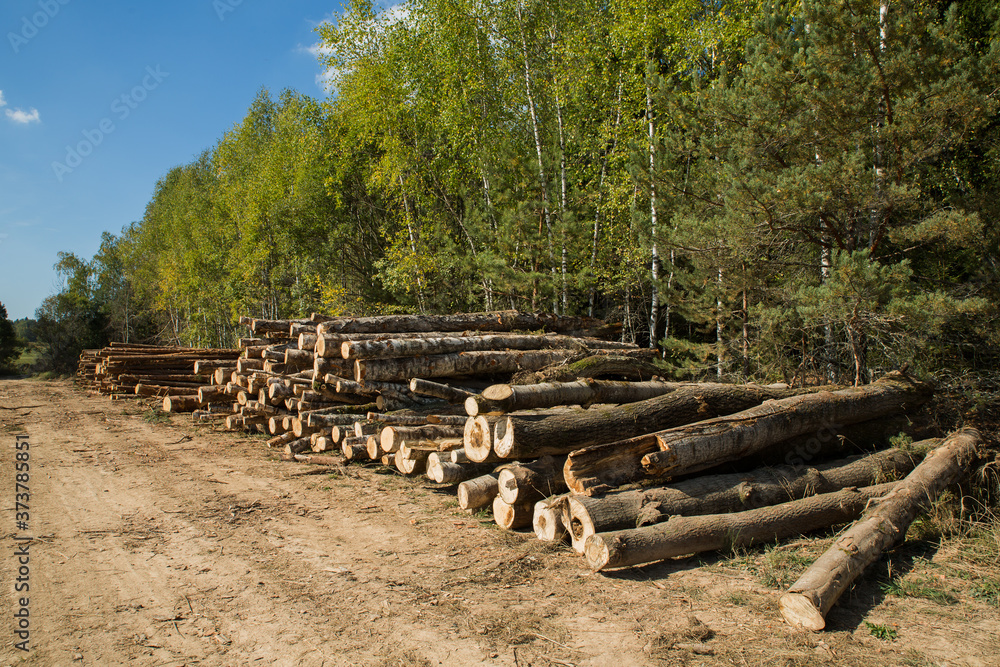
x: 164, y: 543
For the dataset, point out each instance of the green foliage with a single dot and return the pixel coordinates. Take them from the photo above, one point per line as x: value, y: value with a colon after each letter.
x: 815, y: 186
x: 71, y: 320
x: 919, y: 588
x: 883, y: 632
x: 10, y: 344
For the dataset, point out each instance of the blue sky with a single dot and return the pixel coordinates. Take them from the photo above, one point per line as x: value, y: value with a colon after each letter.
x: 100, y: 99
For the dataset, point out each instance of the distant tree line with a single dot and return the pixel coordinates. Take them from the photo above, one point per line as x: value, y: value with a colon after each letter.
x: 797, y: 189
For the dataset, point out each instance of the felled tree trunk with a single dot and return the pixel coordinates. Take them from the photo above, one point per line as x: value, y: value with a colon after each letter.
x: 181, y: 403
x: 517, y: 437
x: 445, y: 392
x: 599, y: 468
x: 479, y: 492
x: 682, y: 535
x: 466, y: 363
x: 512, y: 397
x: 512, y: 517
x: 719, y: 494
x: 393, y: 437
x: 412, y: 347
x: 507, y: 320
x: 530, y: 482
x: 807, y: 602
x: 547, y: 519
x: 698, y: 446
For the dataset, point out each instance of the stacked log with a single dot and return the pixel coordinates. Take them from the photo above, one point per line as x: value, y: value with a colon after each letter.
x: 433, y: 395
x: 129, y: 369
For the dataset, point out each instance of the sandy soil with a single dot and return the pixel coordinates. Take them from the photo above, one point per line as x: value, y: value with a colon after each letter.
x: 171, y: 544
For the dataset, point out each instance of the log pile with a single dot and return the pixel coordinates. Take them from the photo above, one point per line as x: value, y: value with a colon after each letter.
x: 628, y: 472
x: 124, y: 370
x: 564, y: 458
x: 392, y: 389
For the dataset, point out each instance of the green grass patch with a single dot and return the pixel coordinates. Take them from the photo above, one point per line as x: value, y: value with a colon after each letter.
x: 919, y: 588
x: 781, y: 567
x: 988, y: 591
x: 883, y: 632
x: 154, y: 416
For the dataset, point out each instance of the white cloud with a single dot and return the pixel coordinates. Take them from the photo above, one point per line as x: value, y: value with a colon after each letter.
x: 23, y: 117
x: 20, y: 115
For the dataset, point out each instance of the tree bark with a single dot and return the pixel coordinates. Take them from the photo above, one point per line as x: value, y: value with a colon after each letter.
x: 181, y: 404
x: 393, y: 437
x: 547, y: 519
x: 610, y: 366
x: 692, y: 448
x: 807, y: 602
x: 530, y: 482
x: 442, y: 470
x: 412, y: 347
x: 682, y: 535
x: 512, y: 517
x: 445, y: 392
x: 720, y: 494
x: 507, y: 320
x: 318, y: 460
x: 465, y: 363
x: 518, y: 437
x: 509, y: 398
x: 479, y: 492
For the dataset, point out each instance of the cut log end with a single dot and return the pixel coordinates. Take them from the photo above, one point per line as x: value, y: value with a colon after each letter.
x: 547, y: 520
x: 800, y: 612
x: 597, y: 553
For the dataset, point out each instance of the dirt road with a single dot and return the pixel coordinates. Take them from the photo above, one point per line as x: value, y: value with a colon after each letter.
x: 165, y: 543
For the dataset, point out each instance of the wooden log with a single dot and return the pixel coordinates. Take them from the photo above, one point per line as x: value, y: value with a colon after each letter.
x: 320, y: 420
x: 547, y: 519
x: 530, y: 482
x: 414, y: 347
x: 508, y: 398
x: 512, y: 517
x: 244, y: 366
x: 478, y: 437
x: 523, y: 437
x: 319, y: 460
x: 355, y: 449
x: 448, y: 365
x: 720, y: 494
x: 609, y: 366
x: 807, y: 602
x: 298, y: 446
x: 306, y: 339
x: 414, y: 465
x: 598, y: 468
x: 696, y: 447
x: 264, y: 326
x: 321, y: 444
x: 181, y: 404
x: 682, y: 535
x: 281, y: 440
x: 296, y: 357
x: 393, y: 437
x: 209, y: 394
x: 447, y: 420
x: 441, y: 469
x: 445, y: 392
x: 509, y: 320
x: 479, y: 492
